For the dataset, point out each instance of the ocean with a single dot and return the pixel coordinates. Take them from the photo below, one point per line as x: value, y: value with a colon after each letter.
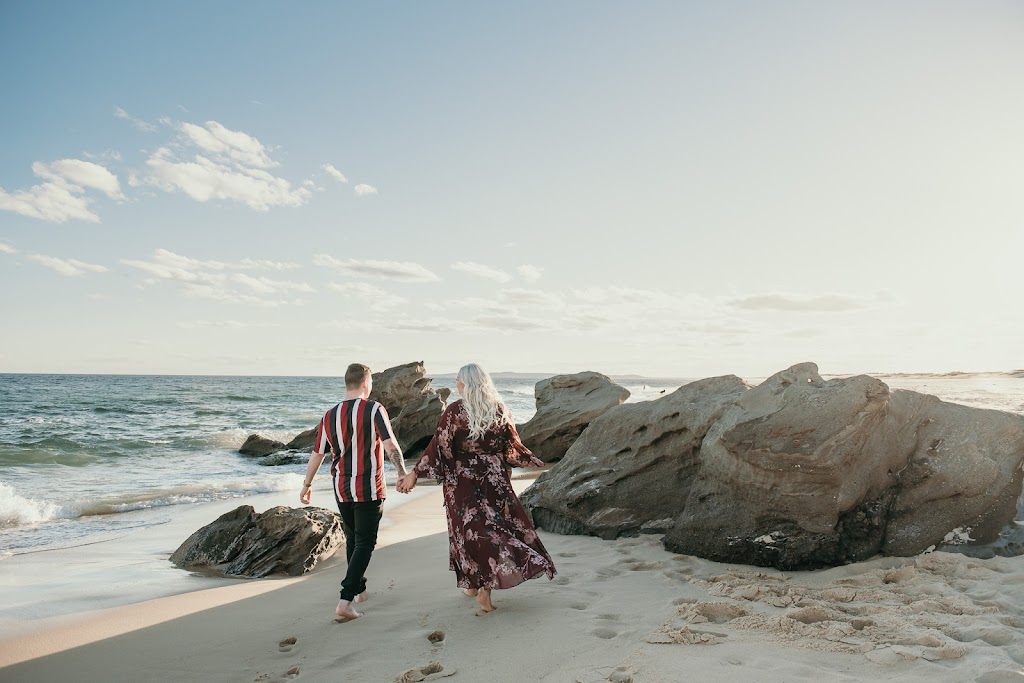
x: 91, y: 461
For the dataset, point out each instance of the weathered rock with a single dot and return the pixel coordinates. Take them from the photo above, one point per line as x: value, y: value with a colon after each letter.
x: 397, y: 386
x: 633, y: 465
x: 260, y: 446
x: 566, y: 404
x: 281, y: 540
x: 794, y: 473
x: 302, y: 441
x: 417, y: 423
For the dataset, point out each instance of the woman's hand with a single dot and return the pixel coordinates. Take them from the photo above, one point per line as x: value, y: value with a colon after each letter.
x: 407, y: 483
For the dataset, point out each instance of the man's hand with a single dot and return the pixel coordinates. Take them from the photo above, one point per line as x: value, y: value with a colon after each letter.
x: 305, y: 494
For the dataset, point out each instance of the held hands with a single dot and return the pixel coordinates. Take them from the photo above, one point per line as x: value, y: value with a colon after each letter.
x: 407, y: 483
x: 305, y: 494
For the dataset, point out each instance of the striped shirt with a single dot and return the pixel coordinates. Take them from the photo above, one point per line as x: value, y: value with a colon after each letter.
x: 354, y: 431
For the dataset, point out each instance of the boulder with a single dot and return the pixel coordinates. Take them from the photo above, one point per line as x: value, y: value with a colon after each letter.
x: 397, y: 386
x: 795, y: 473
x: 252, y: 545
x: 631, y: 469
x: 260, y: 446
x: 417, y: 423
x: 303, y: 441
x: 566, y: 404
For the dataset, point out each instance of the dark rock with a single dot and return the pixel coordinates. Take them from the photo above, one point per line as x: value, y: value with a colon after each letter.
x: 260, y: 446
x: 303, y: 441
x: 566, y: 404
x: 796, y: 473
x: 280, y: 540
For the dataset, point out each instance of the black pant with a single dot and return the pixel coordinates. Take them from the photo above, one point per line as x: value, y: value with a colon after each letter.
x: 361, y: 521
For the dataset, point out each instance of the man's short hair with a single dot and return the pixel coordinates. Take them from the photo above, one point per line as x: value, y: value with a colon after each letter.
x: 356, y: 374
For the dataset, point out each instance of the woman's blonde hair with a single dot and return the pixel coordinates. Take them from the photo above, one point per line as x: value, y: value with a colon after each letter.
x: 481, y: 400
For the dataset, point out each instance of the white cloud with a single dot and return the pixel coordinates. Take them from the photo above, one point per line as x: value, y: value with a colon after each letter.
x: 377, y: 298
x: 480, y: 270
x: 7, y: 249
x: 530, y: 273
x: 227, y: 144
x: 138, y: 123
x: 68, y: 267
x: 208, y: 279
x: 827, y: 303
x: 413, y: 325
x: 510, y: 321
x: 364, y: 190
x: 338, y: 175
x: 530, y: 297
x: 229, y: 324
x: 80, y: 173
x: 204, y: 179
x: 404, y: 271
x: 55, y: 201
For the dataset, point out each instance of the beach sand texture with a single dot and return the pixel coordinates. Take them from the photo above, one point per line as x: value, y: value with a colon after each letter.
x: 623, y: 610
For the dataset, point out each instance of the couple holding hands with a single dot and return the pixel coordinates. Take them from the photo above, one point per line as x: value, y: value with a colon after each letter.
x: 492, y: 542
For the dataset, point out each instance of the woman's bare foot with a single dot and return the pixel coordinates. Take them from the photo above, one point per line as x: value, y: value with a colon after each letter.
x: 362, y: 597
x: 483, y: 598
x: 345, y: 612
x: 471, y: 592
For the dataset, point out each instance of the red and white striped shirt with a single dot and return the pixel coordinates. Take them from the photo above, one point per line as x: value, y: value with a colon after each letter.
x: 355, y: 431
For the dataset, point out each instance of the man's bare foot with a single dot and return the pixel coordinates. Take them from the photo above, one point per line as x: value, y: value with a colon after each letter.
x: 483, y: 598
x: 471, y: 592
x: 345, y: 612
x: 362, y: 597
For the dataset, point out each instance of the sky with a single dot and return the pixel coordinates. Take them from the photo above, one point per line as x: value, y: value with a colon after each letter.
x: 660, y: 188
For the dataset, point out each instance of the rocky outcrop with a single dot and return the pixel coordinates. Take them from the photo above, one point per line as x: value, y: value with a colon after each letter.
x: 632, y: 468
x: 417, y: 423
x: 413, y: 405
x: 566, y: 404
x: 397, y: 386
x: 794, y: 473
x: 252, y: 545
x: 259, y: 446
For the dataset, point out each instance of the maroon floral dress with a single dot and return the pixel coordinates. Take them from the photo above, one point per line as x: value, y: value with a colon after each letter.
x: 492, y: 541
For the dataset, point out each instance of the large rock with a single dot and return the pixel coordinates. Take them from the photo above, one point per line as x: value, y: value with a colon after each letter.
x: 631, y: 469
x: 303, y: 441
x: 413, y: 405
x: 417, y: 423
x: 566, y: 404
x: 794, y: 473
x: 397, y: 386
x: 248, y: 544
x: 259, y: 446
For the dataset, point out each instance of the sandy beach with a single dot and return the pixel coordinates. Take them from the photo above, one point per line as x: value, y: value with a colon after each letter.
x: 623, y: 610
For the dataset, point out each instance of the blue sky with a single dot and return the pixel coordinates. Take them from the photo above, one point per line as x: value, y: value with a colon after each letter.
x: 660, y: 188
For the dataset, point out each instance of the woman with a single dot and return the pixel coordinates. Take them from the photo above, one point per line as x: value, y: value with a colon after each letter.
x: 492, y: 542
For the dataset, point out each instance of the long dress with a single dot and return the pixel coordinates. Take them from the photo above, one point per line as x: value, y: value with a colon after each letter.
x: 492, y: 542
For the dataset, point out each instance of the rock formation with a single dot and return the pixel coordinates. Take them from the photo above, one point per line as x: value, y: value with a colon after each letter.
x: 303, y: 441
x: 794, y: 473
x: 259, y: 446
x: 413, y: 405
x: 566, y: 404
x: 248, y: 544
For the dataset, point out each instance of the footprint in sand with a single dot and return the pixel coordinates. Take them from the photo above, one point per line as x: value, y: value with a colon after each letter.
x: 430, y: 672
x: 566, y: 554
x: 560, y: 580
x: 292, y: 673
x: 287, y: 645
x: 606, y: 573
x: 436, y: 638
x: 607, y: 617
x: 605, y: 633
x: 579, y: 606
x: 621, y: 675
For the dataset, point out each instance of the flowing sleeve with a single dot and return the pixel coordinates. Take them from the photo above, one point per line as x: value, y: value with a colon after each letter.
x: 431, y: 463
x: 517, y: 454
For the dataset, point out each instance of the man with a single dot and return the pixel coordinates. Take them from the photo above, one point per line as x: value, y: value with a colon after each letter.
x: 357, y: 432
